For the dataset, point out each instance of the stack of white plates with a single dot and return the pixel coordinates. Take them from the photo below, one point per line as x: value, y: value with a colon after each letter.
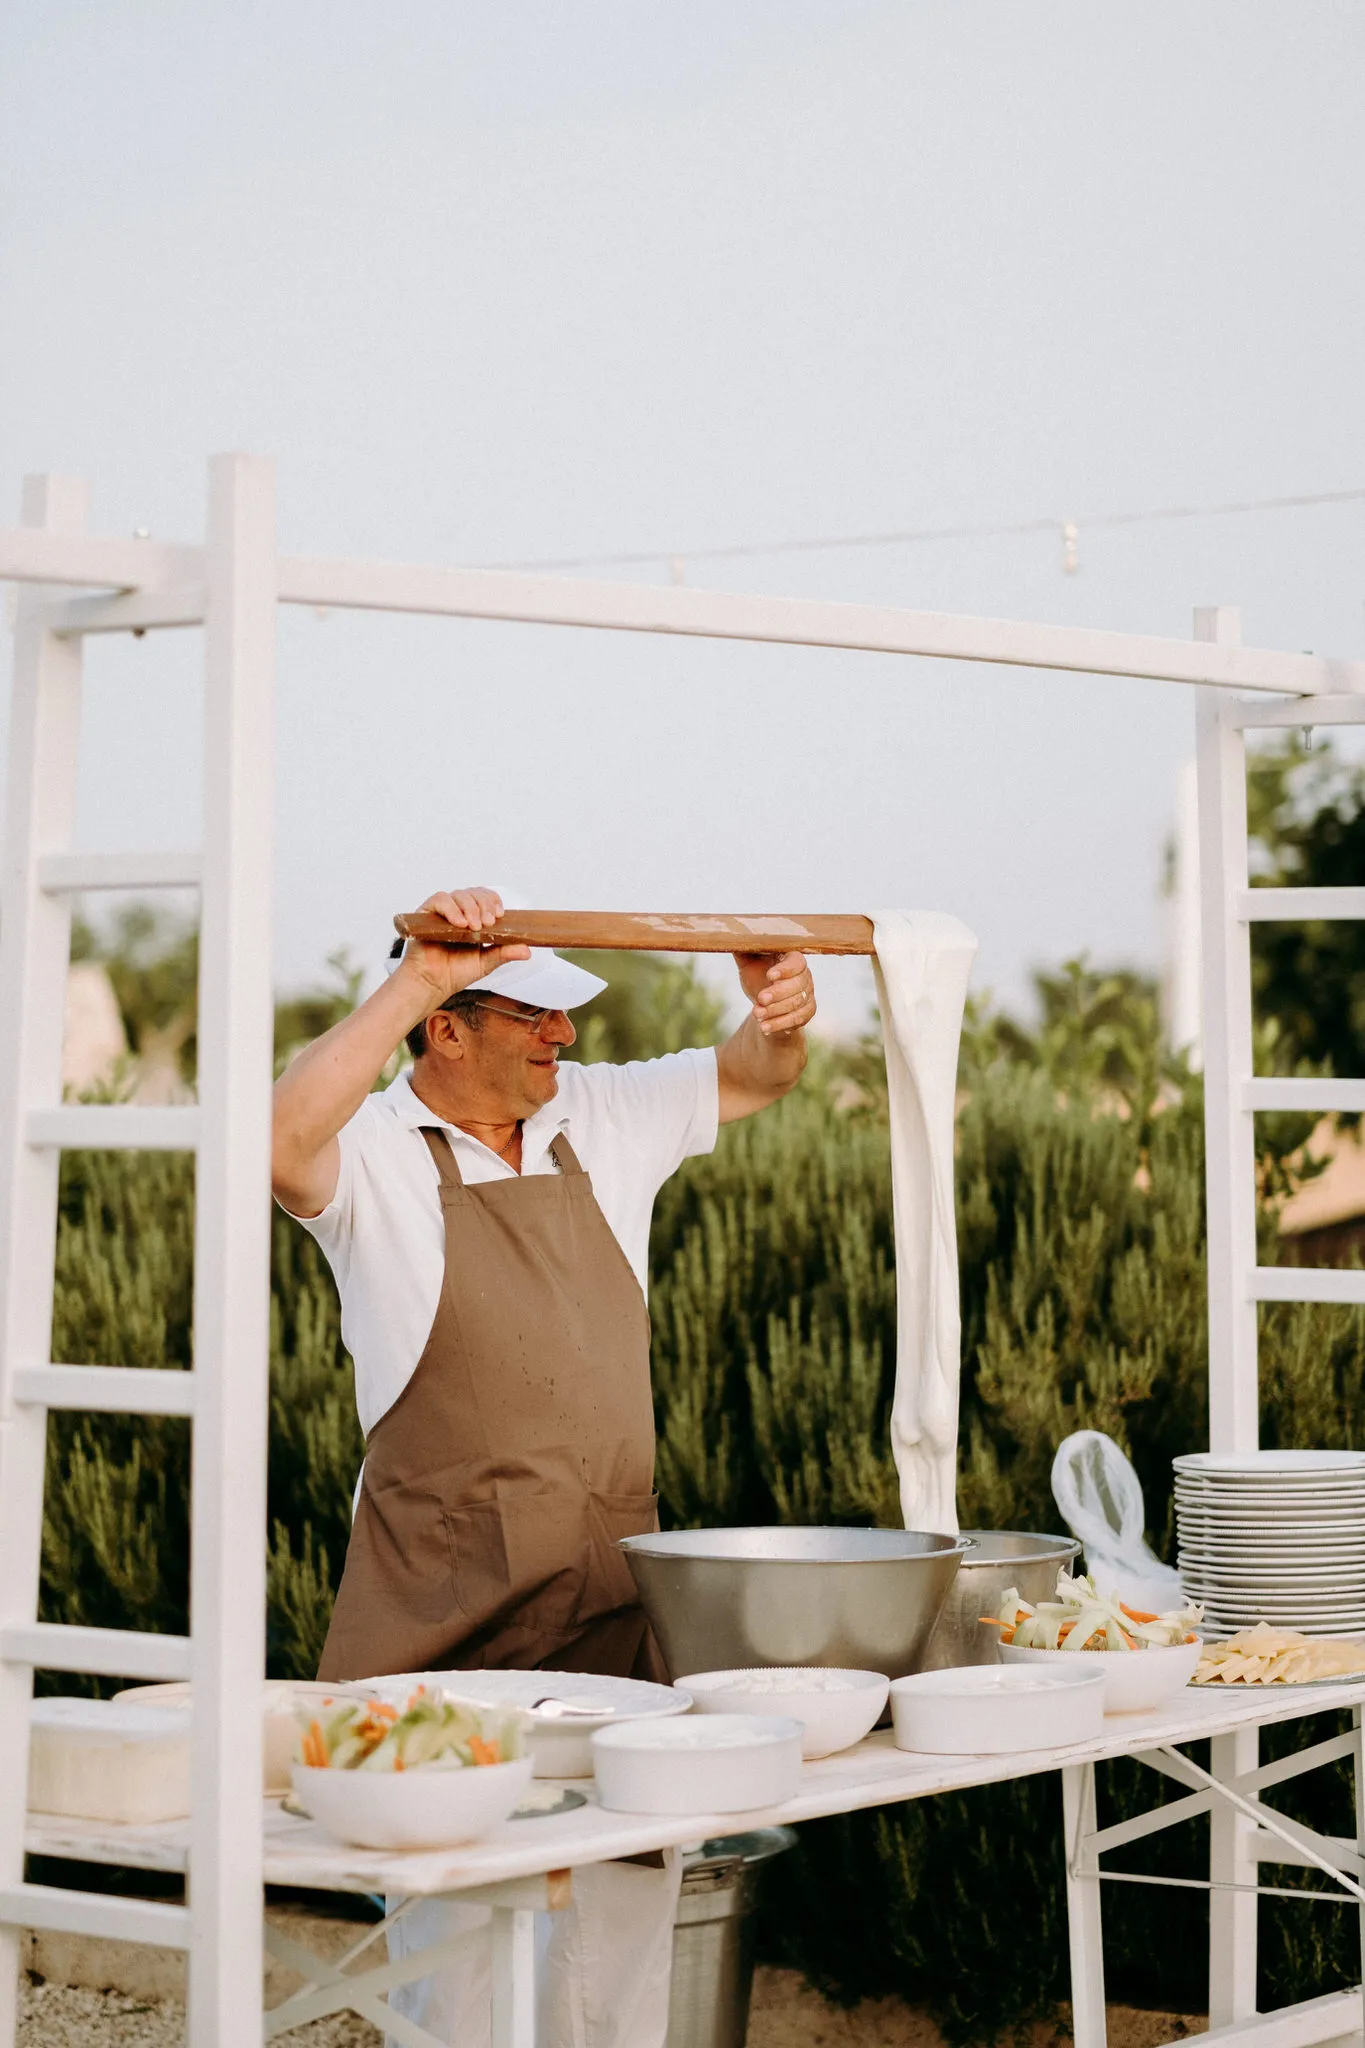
x: 1274, y: 1536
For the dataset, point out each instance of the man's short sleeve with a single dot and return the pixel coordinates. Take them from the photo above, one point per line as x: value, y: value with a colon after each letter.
x: 333, y: 1227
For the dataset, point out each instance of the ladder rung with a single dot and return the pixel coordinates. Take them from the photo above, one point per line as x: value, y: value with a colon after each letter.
x: 67, y: 1912
x: 28, y: 554
x: 114, y: 1127
x: 130, y: 611
x: 1324, y: 711
x: 59, y: 873
x: 107, y: 1652
x: 1295, y: 906
x: 1346, y: 1097
x: 1305, y: 1283
x: 105, y: 1389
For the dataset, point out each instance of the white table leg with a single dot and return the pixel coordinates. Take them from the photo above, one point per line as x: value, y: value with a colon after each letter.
x: 514, y: 1978
x: 1358, y: 1776
x: 1088, y: 2026
x: 1232, y: 1915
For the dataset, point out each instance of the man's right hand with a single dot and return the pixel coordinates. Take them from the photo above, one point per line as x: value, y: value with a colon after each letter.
x: 325, y: 1086
x: 442, y: 971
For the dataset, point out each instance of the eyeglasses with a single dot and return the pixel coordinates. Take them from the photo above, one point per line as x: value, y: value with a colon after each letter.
x: 532, y: 1019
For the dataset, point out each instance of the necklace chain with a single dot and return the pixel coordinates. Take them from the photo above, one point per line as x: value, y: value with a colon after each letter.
x: 503, y: 1150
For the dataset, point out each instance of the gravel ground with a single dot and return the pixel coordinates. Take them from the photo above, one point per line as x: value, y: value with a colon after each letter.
x: 68, y: 2016
x: 785, y: 2015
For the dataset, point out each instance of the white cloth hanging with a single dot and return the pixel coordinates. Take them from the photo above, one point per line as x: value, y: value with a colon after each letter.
x: 922, y: 965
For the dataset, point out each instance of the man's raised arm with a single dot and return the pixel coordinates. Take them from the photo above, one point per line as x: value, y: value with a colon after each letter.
x: 765, y: 1058
x: 324, y: 1087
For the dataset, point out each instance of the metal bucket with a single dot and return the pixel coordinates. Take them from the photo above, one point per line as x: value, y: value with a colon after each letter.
x: 713, y: 1943
x: 995, y: 1560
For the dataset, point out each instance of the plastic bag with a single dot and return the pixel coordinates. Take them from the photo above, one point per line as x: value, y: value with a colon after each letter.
x: 1100, y: 1497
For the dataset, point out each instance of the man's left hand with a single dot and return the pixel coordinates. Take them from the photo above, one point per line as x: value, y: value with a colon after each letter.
x: 782, y: 991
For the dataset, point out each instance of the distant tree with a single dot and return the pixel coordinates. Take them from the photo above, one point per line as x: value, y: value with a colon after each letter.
x: 152, y: 959
x: 1098, y: 1033
x: 302, y: 1017
x: 1306, y: 809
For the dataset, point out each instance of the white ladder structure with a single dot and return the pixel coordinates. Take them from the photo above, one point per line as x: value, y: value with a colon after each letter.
x: 1233, y: 1096
x: 225, y: 1394
x: 231, y: 586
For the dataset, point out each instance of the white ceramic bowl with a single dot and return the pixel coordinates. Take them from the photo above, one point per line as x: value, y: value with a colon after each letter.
x: 704, y: 1763
x: 985, y: 1709
x: 835, y: 1708
x: 280, y: 1728
x: 1134, y: 1680
x: 559, y: 1747
x: 431, y: 1807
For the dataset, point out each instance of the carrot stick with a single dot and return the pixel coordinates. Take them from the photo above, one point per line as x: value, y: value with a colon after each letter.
x: 1136, y: 1613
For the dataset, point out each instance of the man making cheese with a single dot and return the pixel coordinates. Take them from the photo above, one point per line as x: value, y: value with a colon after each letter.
x: 487, y: 1220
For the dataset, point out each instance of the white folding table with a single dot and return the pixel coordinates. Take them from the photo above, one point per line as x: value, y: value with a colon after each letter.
x: 527, y: 1865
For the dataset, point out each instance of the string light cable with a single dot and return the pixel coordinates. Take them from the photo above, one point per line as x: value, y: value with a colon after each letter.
x: 675, y: 560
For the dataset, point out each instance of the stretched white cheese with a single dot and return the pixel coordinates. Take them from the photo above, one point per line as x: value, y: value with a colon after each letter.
x: 923, y: 963
x: 108, y: 1760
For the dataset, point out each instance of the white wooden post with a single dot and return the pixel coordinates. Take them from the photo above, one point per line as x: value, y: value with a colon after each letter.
x: 231, y: 1251
x: 1358, y: 1781
x: 35, y: 932
x: 1089, y: 2026
x: 1230, y: 1178
x: 1230, y: 1161
x: 513, y: 1936
x: 1232, y: 1861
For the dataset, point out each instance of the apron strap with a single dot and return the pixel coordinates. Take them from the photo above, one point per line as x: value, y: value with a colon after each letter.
x: 447, y: 1166
x: 443, y: 1152
x: 563, y: 1154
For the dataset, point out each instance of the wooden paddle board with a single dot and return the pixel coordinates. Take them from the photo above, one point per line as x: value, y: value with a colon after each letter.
x: 652, y: 931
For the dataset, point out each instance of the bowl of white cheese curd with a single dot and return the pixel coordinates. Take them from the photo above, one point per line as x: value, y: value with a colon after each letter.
x: 835, y: 1708
x: 698, y: 1763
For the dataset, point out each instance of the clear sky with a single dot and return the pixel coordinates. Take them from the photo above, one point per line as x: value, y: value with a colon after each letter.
x: 502, y: 283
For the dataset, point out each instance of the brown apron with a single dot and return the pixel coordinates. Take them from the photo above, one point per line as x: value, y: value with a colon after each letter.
x: 497, y: 1484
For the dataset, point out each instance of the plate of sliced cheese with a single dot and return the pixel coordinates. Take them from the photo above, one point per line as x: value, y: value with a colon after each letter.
x: 1280, y: 1656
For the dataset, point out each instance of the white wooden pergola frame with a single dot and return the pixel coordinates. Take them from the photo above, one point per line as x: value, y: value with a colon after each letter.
x: 230, y: 586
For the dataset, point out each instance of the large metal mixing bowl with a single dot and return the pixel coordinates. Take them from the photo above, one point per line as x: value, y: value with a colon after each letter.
x: 996, y: 1559
x: 866, y: 1599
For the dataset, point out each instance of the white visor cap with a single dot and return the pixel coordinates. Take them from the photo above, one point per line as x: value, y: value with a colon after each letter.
x: 544, y: 982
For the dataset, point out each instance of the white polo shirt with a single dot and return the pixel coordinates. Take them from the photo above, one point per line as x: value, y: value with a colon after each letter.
x: 383, y: 1232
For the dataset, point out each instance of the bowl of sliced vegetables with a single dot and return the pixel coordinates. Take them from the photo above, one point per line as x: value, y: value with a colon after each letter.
x: 1146, y: 1658
x: 434, y: 1773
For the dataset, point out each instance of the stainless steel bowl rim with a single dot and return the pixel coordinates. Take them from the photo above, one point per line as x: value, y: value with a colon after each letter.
x: 1049, y: 1546
x: 651, y: 1546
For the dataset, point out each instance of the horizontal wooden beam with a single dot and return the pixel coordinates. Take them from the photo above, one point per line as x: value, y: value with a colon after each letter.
x: 114, y: 1127
x: 1300, y: 906
x: 652, y: 931
x: 134, y: 611
x: 63, y: 873
x: 55, y: 1911
x: 30, y: 554
x: 109, y: 1652
x: 105, y: 1389
x: 801, y: 622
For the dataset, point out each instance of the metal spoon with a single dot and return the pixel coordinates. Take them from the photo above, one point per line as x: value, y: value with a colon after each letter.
x: 558, y: 1710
